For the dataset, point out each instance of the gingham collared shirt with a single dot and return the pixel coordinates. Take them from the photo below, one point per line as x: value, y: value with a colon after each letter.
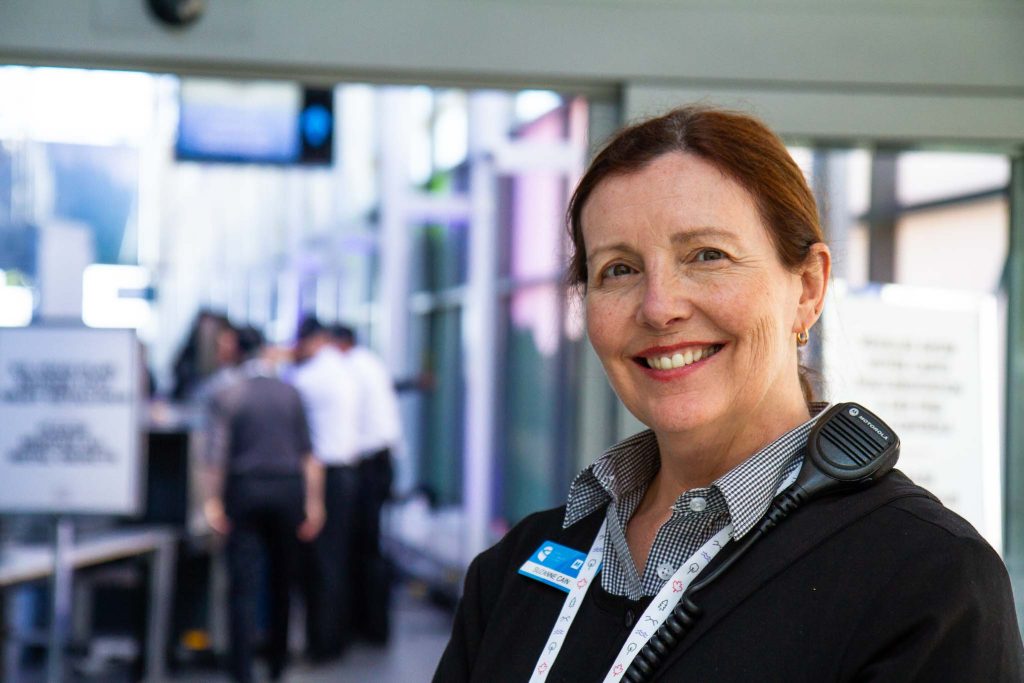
x: 620, y: 478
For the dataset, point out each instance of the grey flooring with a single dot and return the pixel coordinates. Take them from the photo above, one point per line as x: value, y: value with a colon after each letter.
x: 420, y: 632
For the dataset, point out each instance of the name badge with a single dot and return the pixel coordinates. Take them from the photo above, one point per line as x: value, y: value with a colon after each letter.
x: 554, y: 564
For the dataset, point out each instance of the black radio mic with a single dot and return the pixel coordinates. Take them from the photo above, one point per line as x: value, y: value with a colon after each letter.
x: 848, y: 446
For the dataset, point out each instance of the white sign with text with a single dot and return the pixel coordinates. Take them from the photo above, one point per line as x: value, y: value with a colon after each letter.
x: 69, y: 426
x: 927, y: 362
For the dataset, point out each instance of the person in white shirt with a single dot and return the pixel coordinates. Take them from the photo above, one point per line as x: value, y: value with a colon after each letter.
x: 325, y: 379
x: 380, y: 432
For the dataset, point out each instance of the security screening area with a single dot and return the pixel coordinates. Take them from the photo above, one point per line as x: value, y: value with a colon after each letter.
x: 292, y: 329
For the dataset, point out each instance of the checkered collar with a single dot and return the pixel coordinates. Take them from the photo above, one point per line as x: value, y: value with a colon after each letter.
x: 748, y: 488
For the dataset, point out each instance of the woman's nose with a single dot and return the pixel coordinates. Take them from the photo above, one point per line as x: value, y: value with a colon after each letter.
x: 665, y: 301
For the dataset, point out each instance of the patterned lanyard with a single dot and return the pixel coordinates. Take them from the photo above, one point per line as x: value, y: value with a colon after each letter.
x: 570, y: 607
x: 666, y: 599
x: 660, y: 606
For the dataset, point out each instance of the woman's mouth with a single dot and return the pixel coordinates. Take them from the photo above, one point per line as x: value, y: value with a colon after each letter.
x: 678, y: 359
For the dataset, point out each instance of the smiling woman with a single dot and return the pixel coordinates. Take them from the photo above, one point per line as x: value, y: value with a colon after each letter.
x: 703, y: 268
x: 680, y: 264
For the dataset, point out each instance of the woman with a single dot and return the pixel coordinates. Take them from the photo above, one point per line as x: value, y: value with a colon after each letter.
x: 703, y: 266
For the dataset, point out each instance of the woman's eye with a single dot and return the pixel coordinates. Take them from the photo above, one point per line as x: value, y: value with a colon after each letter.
x: 617, y: 270
x: 710, y: 255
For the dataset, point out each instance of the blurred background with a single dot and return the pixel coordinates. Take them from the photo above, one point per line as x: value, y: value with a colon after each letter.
x: 403, y: 167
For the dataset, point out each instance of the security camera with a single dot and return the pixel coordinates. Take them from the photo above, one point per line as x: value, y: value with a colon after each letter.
x: 177, y: 12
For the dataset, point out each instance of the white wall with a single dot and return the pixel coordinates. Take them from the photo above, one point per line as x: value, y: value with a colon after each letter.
x: 927, y: 46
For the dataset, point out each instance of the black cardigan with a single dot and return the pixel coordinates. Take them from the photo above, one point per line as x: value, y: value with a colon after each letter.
x: 884, y: 584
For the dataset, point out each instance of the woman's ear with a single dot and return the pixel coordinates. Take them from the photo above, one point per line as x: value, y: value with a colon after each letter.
x: 814, y: 277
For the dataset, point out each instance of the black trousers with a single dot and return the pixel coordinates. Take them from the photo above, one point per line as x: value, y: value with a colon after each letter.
x: 329, y: 611
x: 371, y: 572
x: 262, y: 554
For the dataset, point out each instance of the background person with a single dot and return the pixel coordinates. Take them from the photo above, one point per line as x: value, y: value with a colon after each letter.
x: 703, y: 268
x: 326, y: 380
x: 265, y: 493
x: 380, y: 432
x: 211, y: 347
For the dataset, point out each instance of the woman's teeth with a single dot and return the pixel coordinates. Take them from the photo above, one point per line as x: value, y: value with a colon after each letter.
x: 681, y: 359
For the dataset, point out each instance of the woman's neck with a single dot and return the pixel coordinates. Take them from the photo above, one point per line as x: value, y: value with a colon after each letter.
x: 697, y: 458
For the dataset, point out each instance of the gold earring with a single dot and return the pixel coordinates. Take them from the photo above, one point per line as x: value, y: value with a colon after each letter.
x: 802, y: 338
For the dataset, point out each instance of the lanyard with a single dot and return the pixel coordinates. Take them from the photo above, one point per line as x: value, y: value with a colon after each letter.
x: 570, y: 607
x: 660, y: 606
x: 663, y: 603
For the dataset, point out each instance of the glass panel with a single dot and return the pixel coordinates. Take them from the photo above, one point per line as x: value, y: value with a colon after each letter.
x: 963, y: 246
x: 356, y: 131
x: 420, y: 152
x: 853, y: 168
x: 451, y: 129
x: 927, y: 176
x: 440, y: 256
x: 858, y: 180
x: 536, y: 425
x: 442, y: 408
x: 528, y: 441
x: 840, y: 180
x: 441, y: 249
x: 535, y: 201
x: 97, y: 187
x: 533, y: 104
x: 535, y: 205
x: 854, y: 251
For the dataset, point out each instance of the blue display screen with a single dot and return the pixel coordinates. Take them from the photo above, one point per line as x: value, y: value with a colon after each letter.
x: 254, y: 122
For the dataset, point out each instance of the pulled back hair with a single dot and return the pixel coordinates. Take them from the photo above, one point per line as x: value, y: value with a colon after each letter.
x: 739, y: 146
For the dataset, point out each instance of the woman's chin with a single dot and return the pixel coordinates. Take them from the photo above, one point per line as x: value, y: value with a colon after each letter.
x: 663, y: 421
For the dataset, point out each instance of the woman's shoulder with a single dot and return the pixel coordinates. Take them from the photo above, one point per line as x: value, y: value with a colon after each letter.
x: 923, y: 511
x: 887, y: 523
x: 897, y: 520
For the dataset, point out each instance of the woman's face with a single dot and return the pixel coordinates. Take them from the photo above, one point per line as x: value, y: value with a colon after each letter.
x: 688, y: 306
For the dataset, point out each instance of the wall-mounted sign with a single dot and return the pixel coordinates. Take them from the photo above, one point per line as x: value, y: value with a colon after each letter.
x: 927, y: 362
x: 69, y: 421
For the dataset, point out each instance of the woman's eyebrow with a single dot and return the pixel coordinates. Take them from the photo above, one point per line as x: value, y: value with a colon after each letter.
x: 618, y: 246
x: 702, y: 233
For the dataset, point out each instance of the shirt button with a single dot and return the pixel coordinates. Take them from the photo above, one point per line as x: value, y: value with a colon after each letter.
x: 698, y: 504
x: 665, y: 571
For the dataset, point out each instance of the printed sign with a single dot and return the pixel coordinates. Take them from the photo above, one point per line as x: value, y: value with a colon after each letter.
x: 69, y: 429
x: 926, y: 362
